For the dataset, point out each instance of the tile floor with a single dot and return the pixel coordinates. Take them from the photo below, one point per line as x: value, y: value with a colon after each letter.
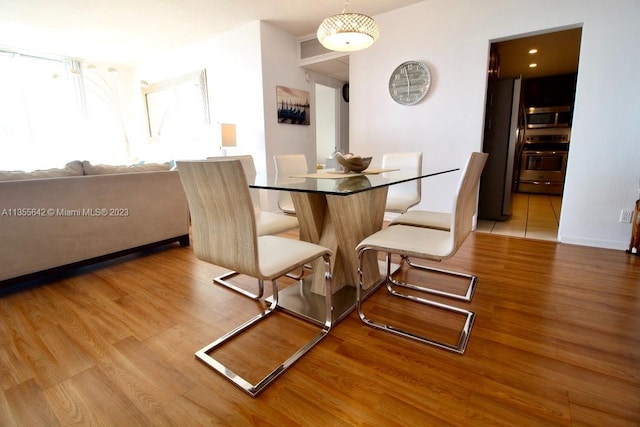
x: 534, y: 216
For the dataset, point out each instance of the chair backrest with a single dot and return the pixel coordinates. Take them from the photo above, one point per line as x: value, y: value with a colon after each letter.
x: 222, y: 218
x: 465, y: 202
x: 287, y: 165
x: 410, y: 192
x: 249, y: 168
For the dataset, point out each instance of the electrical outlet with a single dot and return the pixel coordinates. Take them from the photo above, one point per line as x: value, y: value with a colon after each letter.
x: 625, y: 216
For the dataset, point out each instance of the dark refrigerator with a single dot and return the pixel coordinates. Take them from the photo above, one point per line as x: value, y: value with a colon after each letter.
x: 502, y: 139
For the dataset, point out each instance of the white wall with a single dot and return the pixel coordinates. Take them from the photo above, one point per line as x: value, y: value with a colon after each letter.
x: 280, y: 68
x: 244, y: 66
x: 453, y: 38
x: 234, y: 82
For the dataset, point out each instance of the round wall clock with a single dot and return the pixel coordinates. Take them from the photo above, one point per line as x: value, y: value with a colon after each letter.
x: 409, y: 82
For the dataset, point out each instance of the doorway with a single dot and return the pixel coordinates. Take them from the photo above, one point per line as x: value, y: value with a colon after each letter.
x: 545, y: 65
x: 326, y: 122
x: 332, y: 123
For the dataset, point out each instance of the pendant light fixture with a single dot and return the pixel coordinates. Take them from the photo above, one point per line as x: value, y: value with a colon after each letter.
x: 347, y: 32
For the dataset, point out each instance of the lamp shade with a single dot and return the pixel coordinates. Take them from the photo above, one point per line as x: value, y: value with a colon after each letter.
x: 228, y: 132
x: 347, y: 32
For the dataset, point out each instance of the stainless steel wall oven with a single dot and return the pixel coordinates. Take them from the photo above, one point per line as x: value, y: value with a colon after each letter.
x: 543, y: 163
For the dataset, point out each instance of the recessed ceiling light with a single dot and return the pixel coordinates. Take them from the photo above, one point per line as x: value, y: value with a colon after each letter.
x: 534, y: 65
x: 532, y: 51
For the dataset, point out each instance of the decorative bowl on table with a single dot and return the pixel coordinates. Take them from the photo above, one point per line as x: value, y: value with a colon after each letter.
x: 352, y: 163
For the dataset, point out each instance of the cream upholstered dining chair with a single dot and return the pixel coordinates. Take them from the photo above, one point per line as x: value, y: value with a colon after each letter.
x: 443, y: 221
x: 266, y: 222
x: 429, y: 219
x: 401, y: 197
x: 286, y: 166
x: 225, y: 233
x: 433, y: 244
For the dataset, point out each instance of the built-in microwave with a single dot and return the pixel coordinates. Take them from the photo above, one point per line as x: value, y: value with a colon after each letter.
x: 548, y: 117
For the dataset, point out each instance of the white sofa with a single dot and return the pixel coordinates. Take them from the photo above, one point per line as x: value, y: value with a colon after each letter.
x: 68, y: 219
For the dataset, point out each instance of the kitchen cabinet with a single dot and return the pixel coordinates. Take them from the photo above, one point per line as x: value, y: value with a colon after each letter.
x: 549, y: 91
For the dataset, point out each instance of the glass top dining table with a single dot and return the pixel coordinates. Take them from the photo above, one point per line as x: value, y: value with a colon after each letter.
x: 341, y: 183
x: 338, y: 210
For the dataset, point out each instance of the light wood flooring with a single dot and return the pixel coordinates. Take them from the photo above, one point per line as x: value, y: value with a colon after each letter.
x: 555, y: 343
x: 534, y: 216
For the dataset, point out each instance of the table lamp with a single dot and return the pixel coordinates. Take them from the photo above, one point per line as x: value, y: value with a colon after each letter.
x: 228, y: 136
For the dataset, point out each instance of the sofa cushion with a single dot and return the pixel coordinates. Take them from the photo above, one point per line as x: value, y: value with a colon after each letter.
x: 73, y: 168
x: 90, y: 169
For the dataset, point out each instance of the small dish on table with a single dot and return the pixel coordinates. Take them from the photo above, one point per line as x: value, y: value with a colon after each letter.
x: 352, y: 163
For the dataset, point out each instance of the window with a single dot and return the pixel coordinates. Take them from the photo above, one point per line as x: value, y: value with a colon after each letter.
x: 50, y: 114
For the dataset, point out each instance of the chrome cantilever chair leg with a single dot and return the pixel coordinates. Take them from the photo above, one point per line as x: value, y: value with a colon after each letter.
x: 254, y: 389
x: 459, y: 347
x: 222, y: 280
x: 297, y: 276
x: 473, y: 280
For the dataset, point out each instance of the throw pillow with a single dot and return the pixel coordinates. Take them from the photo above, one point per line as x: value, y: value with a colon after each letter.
x: 70, y: 169
x: 90, y: 169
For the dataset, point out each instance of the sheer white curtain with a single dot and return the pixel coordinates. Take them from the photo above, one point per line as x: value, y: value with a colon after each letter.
x: 49, y: 115
x: 104, y: 136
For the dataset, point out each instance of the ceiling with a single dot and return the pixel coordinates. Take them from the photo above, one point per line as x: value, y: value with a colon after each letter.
x: 120, y: 32
x: 337, y: 68
x: 558, y: 53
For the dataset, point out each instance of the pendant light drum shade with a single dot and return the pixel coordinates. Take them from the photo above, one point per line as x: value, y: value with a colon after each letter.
x: 347, y: 32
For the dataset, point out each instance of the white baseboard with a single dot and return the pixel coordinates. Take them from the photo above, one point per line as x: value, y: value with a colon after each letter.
x: 597, y: 243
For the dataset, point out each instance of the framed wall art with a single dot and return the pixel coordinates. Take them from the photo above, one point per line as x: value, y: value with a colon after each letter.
x: 293, y: 106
